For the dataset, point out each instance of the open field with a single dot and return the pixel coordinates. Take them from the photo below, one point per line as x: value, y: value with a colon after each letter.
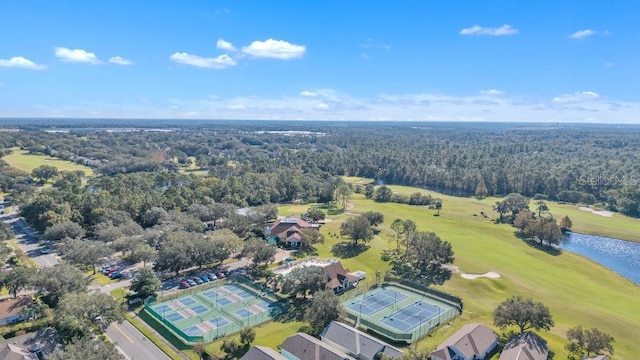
x: 577, y: 290
x: 21, y: 159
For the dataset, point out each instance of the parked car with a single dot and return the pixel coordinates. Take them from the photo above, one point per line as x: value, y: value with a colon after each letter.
x: 212, y: 276
x: 184, y: 284
x: 198, y: 280
x: 45, y: 251
x: 191, y: 282
x: 115, y: 275
x: 204, y: 278
x: 220, y: 275
x: 111, y: 271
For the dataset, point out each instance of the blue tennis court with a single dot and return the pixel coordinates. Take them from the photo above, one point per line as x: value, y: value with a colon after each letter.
x: 244, y: 313
x: 218, y: 322
x: 187, y: 301
x: 193, y: 330
x: 263, y: 304
x: 412, y: 316
x: 377, y: 301
x: 162, y: 308
x: 224, y: 301
x: 199, y: 309
x: 232, y: 288
x: 174, y: 317
x: 244, y: 294
x: 210, y: 294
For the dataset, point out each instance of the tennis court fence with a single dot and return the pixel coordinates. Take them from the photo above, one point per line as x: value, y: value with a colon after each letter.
x: 181, y: 334
x: 423, y: 329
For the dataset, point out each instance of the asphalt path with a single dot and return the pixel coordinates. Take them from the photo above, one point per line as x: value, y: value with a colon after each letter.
x: 28, y: 240
x: 133, y: 343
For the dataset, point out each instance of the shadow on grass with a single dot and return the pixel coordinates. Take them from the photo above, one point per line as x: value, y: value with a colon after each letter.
x: 348, y: 249
x: 551, y: 250
x: 305, y: 251
x: 296, y: 310
x: 331, y: 208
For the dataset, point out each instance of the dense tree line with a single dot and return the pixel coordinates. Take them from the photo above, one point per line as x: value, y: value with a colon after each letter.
x: 255, y: 166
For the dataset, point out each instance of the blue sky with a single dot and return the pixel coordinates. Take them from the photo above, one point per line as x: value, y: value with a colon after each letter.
x: 566, y: 61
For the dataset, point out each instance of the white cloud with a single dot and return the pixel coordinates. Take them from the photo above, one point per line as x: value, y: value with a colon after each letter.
x: 308, y: 93
x: 236, y: 107
x: 76, y: 55
x: 20, y: 62
x: 322, y: 106
x: 218, y: 63
x: 581, y: 34
x: 120, y: 61
x: 505, y: 29
x: 576, y: 97
x: 492, y: 92
x: 275, y: 49
x: 225, y: 45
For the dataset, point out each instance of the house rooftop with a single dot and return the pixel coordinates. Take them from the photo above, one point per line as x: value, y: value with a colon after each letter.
x: 26, y: 347
x: 306, y: 347
x: 528, y: 346
x: 470, y: 340
x: 262, y: 353
x: 357, y: 342
x: 10, y: 307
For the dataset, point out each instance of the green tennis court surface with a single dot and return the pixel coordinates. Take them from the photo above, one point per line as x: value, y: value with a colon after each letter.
x: 399, y: 313
x: 214, y: 312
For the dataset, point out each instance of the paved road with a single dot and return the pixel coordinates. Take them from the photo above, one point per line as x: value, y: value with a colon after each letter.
x: 133, y: 343
x: 28, y: 239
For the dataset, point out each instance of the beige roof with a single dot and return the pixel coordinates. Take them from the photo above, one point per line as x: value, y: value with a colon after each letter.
x: 470, y: 340
x: 10, y: 307
x: 528, y: 346
x: 597, y: 357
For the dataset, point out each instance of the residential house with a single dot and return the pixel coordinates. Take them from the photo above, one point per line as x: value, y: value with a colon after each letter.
x: 288, y: 231
x: 301, y: 346
x: 357, y: 343
x: 15, y: 310
x: 528, y: 346
x: 32, y: 346
x: 338, y: 278
x: 596, y: 357
x: 262, y: 353
x: 471, y: 342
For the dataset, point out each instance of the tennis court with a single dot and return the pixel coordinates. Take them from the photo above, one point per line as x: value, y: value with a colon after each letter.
x: 411, y: 317
x: 214, y: 312
x: 399, y: 313
x: 376, y: 301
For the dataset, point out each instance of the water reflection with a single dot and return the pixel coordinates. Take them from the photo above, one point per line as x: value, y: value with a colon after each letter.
x: 620, y: 256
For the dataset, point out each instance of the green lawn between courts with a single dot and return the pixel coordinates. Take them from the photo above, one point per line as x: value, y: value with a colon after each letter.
x: 21, y: 159
x: 577, y: 290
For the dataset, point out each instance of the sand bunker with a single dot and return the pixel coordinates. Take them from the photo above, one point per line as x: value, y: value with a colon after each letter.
x: 490, y: 275
x: 604, y: 213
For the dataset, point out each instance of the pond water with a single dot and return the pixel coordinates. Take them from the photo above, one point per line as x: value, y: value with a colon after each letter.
x: 620, y: 256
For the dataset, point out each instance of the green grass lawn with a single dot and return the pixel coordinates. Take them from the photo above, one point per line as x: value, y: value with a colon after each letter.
x: 21, y: 159
x: 270, y: 334
x: 577, y: 290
